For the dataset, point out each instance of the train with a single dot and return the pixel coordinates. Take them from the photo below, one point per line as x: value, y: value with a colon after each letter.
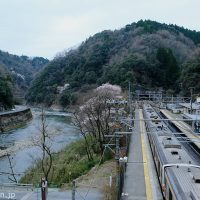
x: 178, y: 170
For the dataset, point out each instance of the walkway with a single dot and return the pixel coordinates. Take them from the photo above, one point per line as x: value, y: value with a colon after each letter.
x: 53, y: 194
x: 140, y: 177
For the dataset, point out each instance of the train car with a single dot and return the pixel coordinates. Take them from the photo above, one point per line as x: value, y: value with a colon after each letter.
x: 177, y: 170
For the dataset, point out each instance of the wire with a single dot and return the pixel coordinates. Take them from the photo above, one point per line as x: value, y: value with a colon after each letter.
x: 80, y: 194
x: 186, y: 129
x: 98, y: 167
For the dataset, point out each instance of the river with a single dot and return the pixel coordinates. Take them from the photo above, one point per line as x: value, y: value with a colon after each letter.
x: 58, y: 124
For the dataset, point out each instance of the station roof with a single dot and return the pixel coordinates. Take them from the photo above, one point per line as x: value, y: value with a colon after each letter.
x: 195, y: 106
x: 189, y: 116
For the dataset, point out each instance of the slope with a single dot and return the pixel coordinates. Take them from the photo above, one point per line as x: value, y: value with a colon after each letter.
x: 22, y: 69
x: 147, y: 53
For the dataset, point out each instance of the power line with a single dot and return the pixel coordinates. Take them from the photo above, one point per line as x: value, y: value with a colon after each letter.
x: 98, y: 166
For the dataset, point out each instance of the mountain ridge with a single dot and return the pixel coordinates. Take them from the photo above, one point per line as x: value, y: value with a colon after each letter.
x: 16, y: 74
x: 146, y: 53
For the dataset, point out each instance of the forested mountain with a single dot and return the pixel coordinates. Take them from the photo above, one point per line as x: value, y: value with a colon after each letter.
x: 147, y: 53
x: 6, y: 96
x: 22, y: 70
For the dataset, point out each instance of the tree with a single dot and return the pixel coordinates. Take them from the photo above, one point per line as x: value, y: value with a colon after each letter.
x: 168, y: 67
x: 12, y: 176
x: 94, y: 117
x: 190, y: 76
x: 6, y: 96
x: 43, y: 141
x: 67, y: 98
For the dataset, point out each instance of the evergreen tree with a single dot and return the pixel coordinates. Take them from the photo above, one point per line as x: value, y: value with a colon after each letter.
x: 6, y: 97
x: 168, y: 66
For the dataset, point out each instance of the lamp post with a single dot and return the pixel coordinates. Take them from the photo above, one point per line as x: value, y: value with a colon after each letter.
x: 44, y: 188
x: 191, y: 93
x: 122, y: 163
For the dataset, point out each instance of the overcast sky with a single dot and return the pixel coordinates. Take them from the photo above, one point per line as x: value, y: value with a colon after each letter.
x: 46, y: 27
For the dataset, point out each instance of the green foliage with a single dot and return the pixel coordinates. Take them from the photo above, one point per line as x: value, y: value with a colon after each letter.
x: 146, y: 53
x: 169, y: 70
x: 68, y: 164
x: 190, y: 76
x: 22, y: 68
x: 67, y: 98
x: 6, y: 97
x: 153, y: 26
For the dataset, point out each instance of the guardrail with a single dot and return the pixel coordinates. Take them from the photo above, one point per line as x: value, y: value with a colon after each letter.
x: 16, y: 186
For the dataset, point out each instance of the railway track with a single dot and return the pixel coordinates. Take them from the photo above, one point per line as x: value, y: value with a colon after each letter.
x: 186, y: 141
x: 176, y: 161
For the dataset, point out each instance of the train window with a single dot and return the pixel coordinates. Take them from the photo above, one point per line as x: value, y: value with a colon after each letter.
x: 165, y: 184
x: 161, y: 173
x: 196, y: 177
x: 174, y: 152
x: 170, y: 195
x: 158, y: 168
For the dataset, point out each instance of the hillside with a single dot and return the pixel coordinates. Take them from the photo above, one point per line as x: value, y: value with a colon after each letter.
x: 147, y: 53
x: 22, y: 69
x: 6, y: 96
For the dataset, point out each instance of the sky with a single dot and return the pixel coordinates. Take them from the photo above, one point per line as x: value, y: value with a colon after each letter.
x: 48, y: 27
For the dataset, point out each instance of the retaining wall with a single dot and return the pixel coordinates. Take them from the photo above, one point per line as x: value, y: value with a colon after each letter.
x: 14, y: 119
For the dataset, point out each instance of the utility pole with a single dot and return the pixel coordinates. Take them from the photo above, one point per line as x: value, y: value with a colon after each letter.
x: 44, y: 188
x: 73, y: 190
x: 191, y: 94
x: 129, y: 97
x: 117, y: 167
x: 117, y: 151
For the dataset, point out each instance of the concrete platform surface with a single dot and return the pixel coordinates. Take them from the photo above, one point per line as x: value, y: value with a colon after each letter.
x: 140, y: 178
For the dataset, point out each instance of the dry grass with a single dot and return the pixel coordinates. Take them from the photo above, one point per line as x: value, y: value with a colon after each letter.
x: 110, y: 193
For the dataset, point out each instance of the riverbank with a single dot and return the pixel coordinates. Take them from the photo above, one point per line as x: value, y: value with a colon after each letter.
x: 59, y: 126
x: 68, y: 164
x: 72, y: 163
x: 14, y: 119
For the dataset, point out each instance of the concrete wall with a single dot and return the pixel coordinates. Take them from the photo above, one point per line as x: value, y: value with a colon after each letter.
x: 14, y: 119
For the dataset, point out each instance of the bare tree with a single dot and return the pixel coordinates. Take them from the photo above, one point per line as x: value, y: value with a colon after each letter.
x: 78, y: 123
x: 44, y: 142
x: 94, y: 117
x: 12, y: 177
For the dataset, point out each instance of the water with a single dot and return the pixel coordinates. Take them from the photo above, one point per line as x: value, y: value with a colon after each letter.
x: 58, y: 124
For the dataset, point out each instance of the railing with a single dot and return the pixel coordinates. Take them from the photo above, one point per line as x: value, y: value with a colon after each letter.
x: 18, y: 186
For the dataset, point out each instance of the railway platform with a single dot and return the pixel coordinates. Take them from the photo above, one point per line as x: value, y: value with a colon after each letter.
x: 140, y: 181
x: 182, y: 126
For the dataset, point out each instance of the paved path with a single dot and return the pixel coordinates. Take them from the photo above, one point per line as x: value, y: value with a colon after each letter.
x: 140, y: 177
x: 53, y: 194
x: 134, y: 183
